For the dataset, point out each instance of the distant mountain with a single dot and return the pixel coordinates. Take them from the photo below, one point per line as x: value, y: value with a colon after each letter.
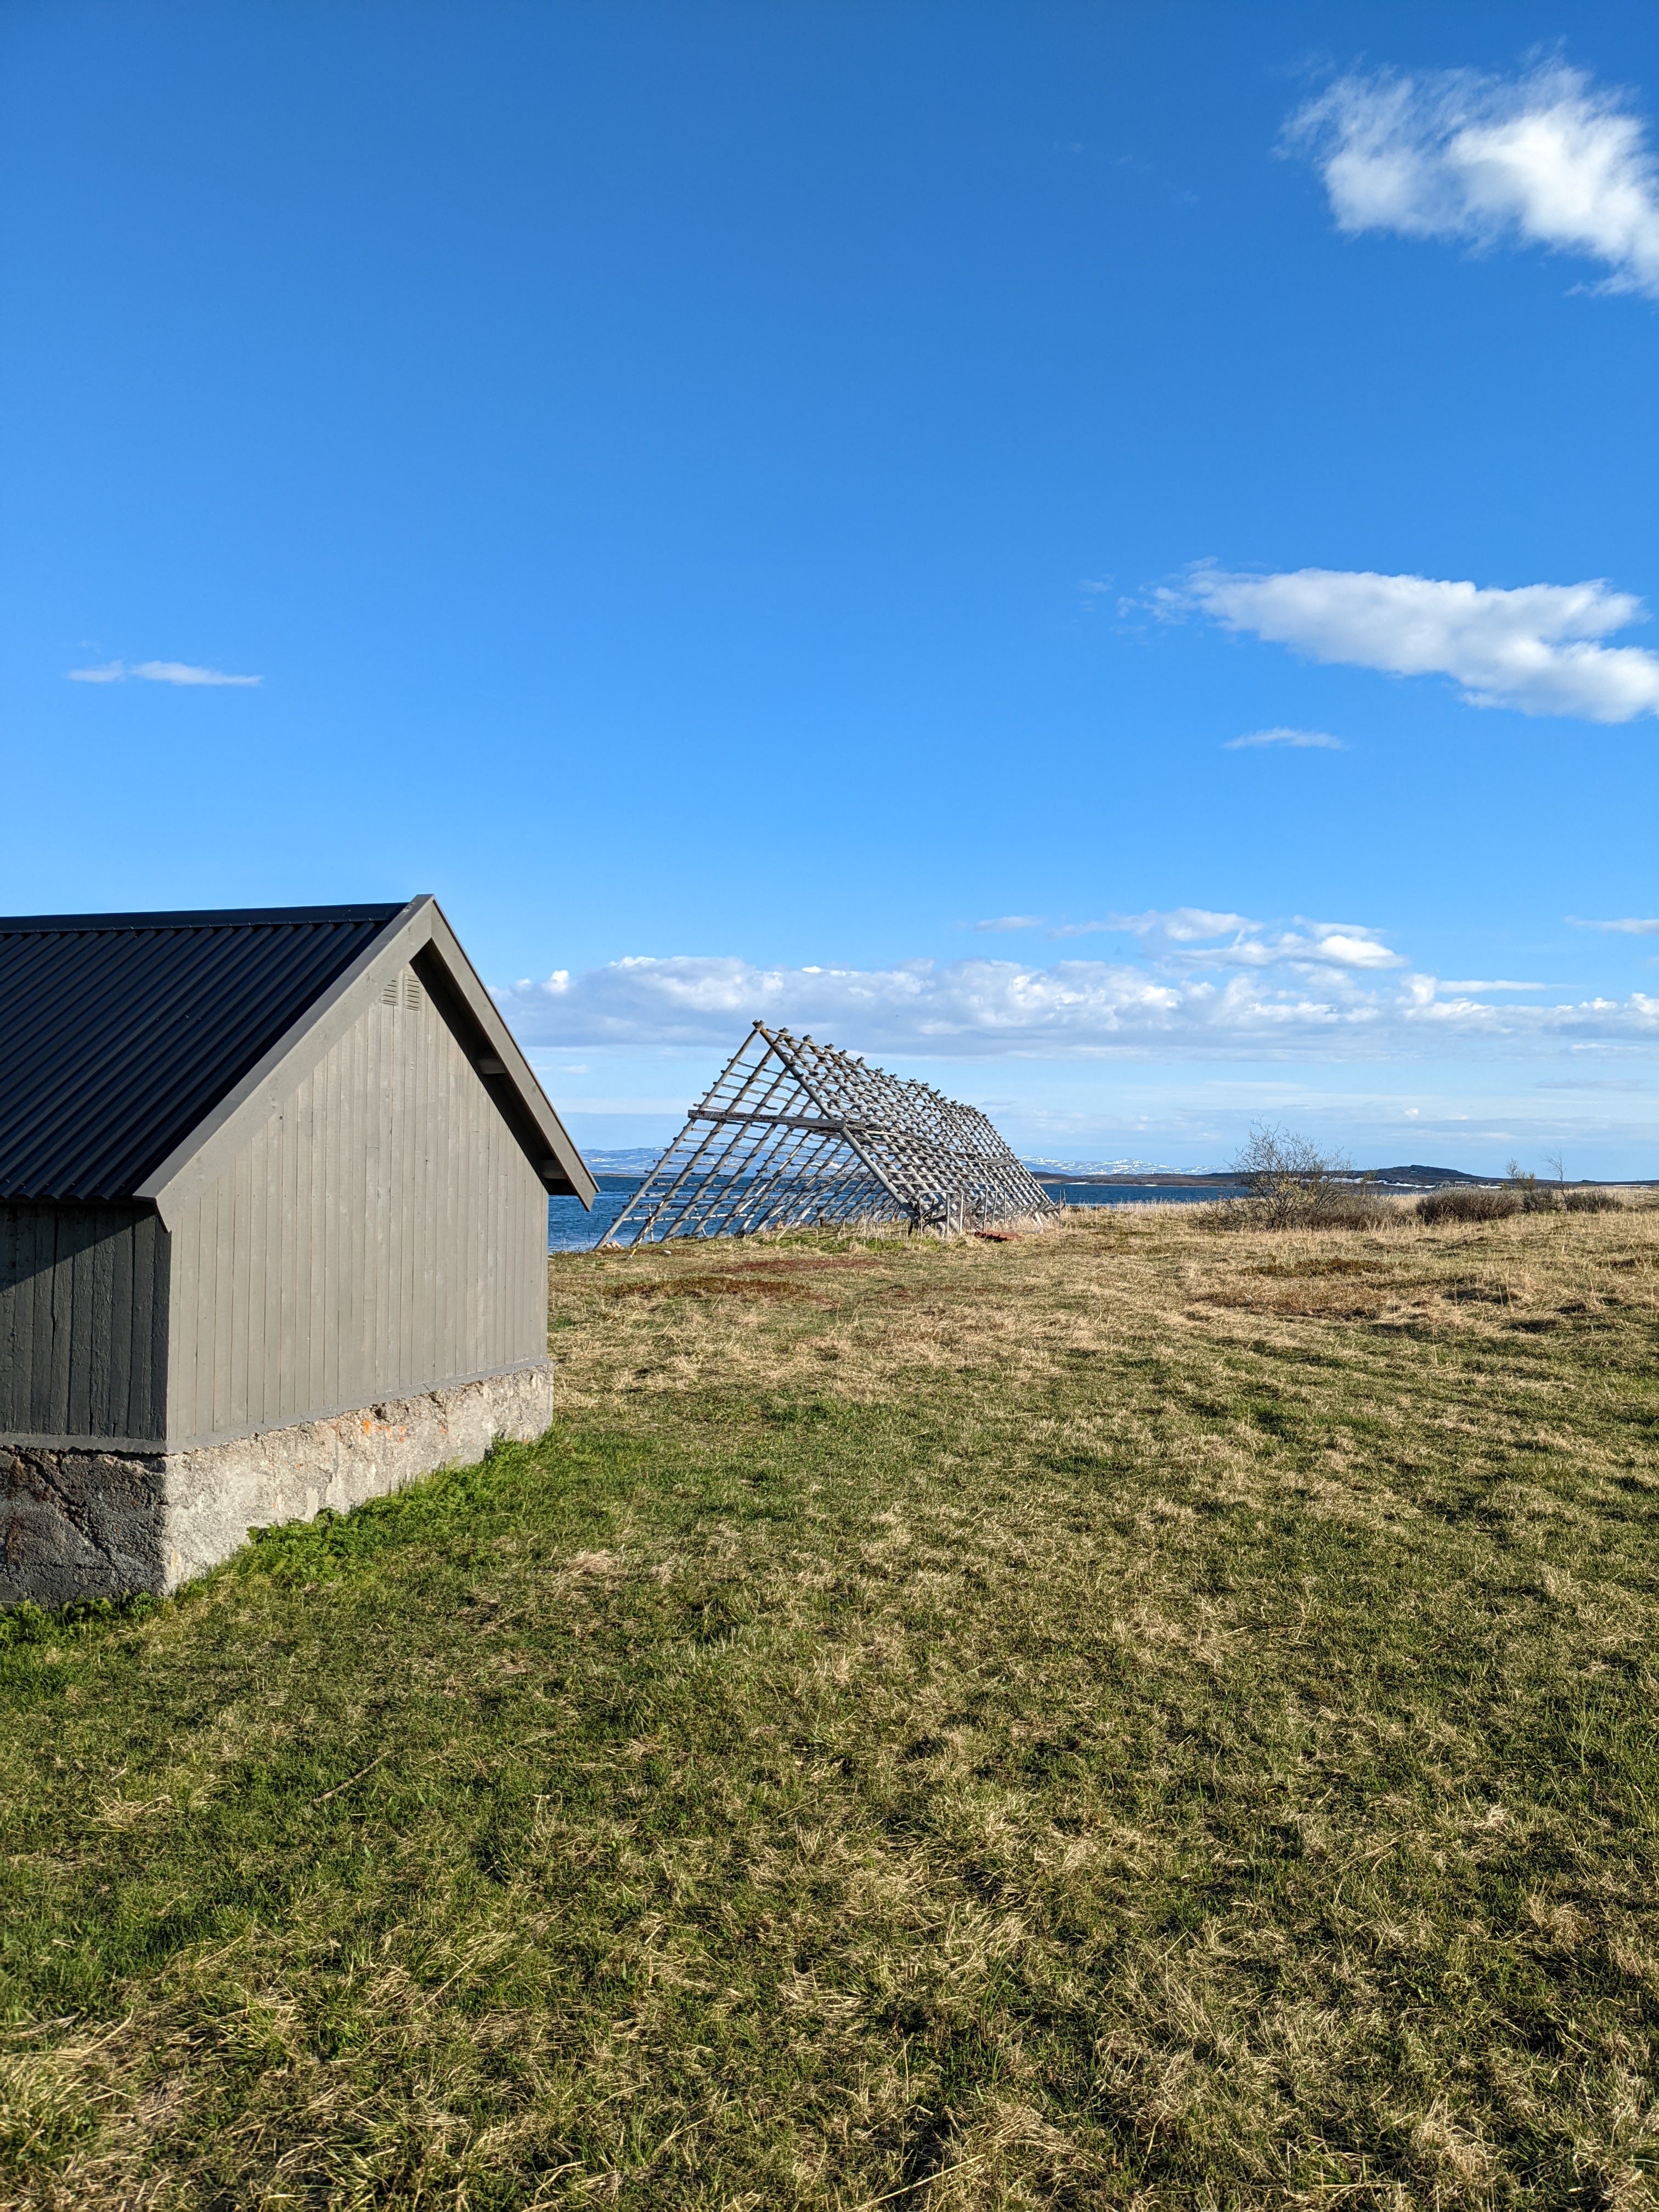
x: 1141, y: 1179
x: 1095, y: 1167
x: 1420, y: 1178
x: 1412, y: 1178
x: 639, y: 1159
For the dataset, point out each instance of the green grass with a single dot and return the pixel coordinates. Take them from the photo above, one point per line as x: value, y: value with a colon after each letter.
x: 1131, y: 1718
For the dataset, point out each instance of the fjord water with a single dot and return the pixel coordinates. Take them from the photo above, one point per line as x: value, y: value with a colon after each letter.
x: 571, y: 1230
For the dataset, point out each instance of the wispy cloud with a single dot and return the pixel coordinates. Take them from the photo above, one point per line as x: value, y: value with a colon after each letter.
x: 158, y: 672
x: 1011, y: 922
x: 180, y: 672
x: 1176, y: 925
x: 1631, y: 926
x: 1531, y: 648
x: 1543, y: 159
x: 1311, y: 739
x: 1202, y: 984
x: 1308, y: 1009
x: 1188, y: 937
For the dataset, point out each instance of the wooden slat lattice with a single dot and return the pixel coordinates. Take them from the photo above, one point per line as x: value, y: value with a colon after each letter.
x: 792, y: 1133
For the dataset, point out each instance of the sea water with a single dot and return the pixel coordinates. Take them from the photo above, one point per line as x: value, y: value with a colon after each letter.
x: 569, y: 1229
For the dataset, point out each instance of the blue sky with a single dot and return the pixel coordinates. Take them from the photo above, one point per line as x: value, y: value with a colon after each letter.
x: 734, y: 498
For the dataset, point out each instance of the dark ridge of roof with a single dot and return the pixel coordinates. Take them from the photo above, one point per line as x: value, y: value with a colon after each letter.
x: 118, y: 1033
x: 230, y: 917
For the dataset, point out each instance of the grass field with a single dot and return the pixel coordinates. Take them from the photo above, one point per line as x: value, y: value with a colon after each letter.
x: 1132, y: 1717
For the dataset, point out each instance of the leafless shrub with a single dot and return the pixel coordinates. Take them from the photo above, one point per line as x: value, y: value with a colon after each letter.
x: 1593, y: 1201
x: 1293, y: 1185
x: 1531, y: 1195
x: 1467, y: 1202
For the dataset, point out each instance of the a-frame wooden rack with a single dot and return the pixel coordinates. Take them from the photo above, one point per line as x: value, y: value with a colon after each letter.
x: 793, y: 1134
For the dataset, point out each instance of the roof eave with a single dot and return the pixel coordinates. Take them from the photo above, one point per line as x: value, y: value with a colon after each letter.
x: 562, y: 1151
x: 197, y: 1159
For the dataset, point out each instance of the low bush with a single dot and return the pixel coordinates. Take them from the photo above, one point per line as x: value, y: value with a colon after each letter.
x: 1334, y: 1208
x: 1360, y: 1207
x: 1537, y: 1197
x: 1593, y: 1201
x: 1293, y: 1185
x: 1468, y: 1202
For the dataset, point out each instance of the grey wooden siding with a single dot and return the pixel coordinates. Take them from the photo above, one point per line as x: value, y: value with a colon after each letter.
x: 382, y: 1234
x: 83, y: 1322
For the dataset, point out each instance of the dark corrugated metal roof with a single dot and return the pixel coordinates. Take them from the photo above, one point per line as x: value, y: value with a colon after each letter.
x: 118, y: 1032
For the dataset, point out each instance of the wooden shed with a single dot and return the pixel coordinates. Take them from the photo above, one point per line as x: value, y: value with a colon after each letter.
x: 273, y: 1229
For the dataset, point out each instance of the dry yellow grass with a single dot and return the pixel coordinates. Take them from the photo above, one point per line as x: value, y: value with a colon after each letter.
x: 1131, y: 1716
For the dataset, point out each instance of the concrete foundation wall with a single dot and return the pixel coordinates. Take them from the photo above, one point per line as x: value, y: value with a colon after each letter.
x: 79, y: 1524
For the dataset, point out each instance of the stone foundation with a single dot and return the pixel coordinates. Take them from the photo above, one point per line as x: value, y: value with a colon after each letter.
x: 91, y: 1523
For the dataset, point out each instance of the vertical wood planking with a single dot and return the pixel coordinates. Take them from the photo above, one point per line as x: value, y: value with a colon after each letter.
x: 79, y: 1349
x: 423, y: 1140
x: 266, y: 1369
x: 23, y: 1245
x: 59, y: 1283
x: 234, y: 1413
x: 122, y: 1398
x: 403, y: 1228
x: 309, y: 1388
x: 296, y: 1222
x: 216, y: 1409
x: 383, y: 1233
x: 11, y: 1369
x: 327, y: 1138
x: 38, y: 1294
x: 183, y: 1417
x: 20, y: 1235
x: 152, y: 1286
x: 368, y: 1107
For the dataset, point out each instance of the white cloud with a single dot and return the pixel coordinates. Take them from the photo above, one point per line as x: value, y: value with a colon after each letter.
x: 1296, y: 990
x: 1531, y: 648
x: 1180, y: 925
x: 1348, y: 948
x: 1631, y: 926
x: 1300, y: 738
x: 178, y: 671
x: 1541, y: 159
x: 1013, y: 921
x: 1187, y: 937
x: 158, y: 672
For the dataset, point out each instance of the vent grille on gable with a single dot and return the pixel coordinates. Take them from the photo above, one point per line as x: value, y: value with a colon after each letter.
x: 403, y: 991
